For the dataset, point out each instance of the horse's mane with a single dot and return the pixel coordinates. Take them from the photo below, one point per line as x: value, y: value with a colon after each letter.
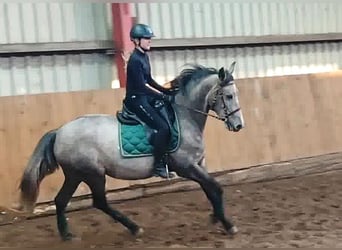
x: 194, y: 72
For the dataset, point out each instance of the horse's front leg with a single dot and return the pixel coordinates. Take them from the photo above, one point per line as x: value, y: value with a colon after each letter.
x: 213, y: 191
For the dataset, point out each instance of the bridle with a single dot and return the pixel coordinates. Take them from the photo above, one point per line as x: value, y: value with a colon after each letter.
x: 212, y: 106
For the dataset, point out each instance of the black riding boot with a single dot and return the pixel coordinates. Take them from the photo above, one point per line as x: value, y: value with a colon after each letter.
x: 160, y: 168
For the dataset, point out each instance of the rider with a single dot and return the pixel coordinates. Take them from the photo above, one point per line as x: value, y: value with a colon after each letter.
x: 142, y: 91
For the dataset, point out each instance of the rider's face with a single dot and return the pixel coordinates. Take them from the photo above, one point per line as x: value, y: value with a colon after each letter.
x: 145, y: 43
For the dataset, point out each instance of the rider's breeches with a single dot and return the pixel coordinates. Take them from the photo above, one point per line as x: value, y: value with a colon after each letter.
x: 141, y: 106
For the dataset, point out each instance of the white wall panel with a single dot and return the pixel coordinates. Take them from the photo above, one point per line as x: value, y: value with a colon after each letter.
x: 43, y: 22
x: 253, y: 61
x: 42, y: 74
x: 59, y: 73
x: 241, y: 18
x: 54, y: 22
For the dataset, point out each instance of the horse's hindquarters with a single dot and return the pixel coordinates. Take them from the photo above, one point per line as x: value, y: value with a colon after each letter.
x: 91, y: 144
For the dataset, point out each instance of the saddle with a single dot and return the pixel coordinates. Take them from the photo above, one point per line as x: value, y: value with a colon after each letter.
x: 127, y: 117
x: 135, y: 135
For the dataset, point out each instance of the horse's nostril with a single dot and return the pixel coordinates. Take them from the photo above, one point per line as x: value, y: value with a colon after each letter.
x: 238, y: 127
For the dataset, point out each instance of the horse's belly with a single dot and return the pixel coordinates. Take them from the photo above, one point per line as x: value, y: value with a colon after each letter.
x: 131, y: 168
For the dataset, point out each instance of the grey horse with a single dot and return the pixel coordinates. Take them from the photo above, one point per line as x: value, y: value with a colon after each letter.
x: 87, y: 149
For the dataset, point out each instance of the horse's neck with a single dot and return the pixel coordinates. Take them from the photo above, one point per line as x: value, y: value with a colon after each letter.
x: 196, y: 99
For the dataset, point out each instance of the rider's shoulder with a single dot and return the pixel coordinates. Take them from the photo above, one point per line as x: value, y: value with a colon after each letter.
x: 134, y: 58
x: 137, y: 55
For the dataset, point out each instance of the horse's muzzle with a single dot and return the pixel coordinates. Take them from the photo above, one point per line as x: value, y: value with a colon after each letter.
x: 235, y: 128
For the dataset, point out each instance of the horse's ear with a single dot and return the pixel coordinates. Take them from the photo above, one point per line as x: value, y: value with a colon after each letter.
x: 222, y: 74
x: 231, y: 68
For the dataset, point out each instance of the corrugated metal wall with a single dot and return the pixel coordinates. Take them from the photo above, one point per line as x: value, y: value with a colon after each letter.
x: 22, y: 24
x: 241, y: 18
x: 61, y: 23
x: 233, y: 18
x: 69, y: 22
x: 58, y: 73
x: 54, y: 22
x: 262, y: 61
x: 23, y: 75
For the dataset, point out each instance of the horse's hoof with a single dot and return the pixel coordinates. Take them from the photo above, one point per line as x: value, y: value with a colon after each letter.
x: 68, y: 237
x: 233, y: 230
x: 138, y: 232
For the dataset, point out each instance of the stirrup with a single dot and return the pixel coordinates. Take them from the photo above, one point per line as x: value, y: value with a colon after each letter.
x: 162, y: 170
x: 167, y: 175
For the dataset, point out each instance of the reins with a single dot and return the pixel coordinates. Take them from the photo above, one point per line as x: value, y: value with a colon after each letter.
x: 207, y: 114
x: 204, y: 113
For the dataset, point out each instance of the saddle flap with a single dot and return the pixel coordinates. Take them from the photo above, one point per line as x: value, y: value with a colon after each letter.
x: 134, y: 135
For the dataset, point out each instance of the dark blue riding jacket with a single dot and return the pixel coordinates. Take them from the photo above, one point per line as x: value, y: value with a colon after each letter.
x: 138, y: 74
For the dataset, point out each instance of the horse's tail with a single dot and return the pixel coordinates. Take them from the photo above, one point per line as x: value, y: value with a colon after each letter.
x: 41, y: 164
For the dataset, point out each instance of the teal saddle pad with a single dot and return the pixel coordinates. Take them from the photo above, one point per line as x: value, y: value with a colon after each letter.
x: 134, y: 141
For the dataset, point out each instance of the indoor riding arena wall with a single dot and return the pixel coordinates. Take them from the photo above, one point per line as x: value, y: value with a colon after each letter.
x: 286, y: 118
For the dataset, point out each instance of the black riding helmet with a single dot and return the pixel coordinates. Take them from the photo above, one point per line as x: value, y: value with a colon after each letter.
x: 139, y: 31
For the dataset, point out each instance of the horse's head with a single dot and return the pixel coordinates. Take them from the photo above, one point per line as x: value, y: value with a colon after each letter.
x: 223, y: 99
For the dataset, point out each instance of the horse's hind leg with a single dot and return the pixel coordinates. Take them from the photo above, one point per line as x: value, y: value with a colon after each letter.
x: 70, y: 184
x: 213, y: 191
x: 96, y: 184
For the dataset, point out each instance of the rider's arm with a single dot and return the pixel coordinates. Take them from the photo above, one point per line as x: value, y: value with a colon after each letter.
x: 153, y: 88
x: 155, y: 85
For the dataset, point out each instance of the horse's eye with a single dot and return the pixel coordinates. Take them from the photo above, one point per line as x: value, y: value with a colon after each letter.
x: 230, y: 97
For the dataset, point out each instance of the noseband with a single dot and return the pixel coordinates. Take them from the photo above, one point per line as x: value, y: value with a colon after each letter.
x: 225, y: 108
